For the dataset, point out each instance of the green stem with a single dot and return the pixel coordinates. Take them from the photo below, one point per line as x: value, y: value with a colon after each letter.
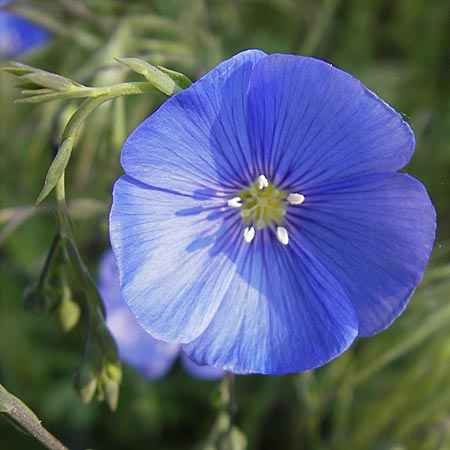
x: 95, y: 308
x: 224, y: 433
x: 22, y: 414
x: 230, y: 398
x: 54, y: 247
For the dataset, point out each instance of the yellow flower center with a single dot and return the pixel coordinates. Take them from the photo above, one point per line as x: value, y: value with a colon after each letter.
x: 263, y: 204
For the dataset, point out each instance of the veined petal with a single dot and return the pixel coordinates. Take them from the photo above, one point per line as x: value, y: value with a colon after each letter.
x: 374, y: 233
x: 283, y: 312
x: 149, y: 356
x: 261, y: 222
x: 309, y: 122
x: 171, y: 278
x: 203, y: 372
x: 197, y: 138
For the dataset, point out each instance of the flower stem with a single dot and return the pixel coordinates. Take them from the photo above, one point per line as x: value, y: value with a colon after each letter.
x: 229, y: 397
x: 53, y: 251
x: 22, y: 414
x: 95, y: 308
x: 224, y: 434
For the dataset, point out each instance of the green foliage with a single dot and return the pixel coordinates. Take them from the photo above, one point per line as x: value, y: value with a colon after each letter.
x: 388, y: 392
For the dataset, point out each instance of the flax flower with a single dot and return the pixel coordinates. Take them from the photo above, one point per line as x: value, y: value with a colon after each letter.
x: 261, y: 221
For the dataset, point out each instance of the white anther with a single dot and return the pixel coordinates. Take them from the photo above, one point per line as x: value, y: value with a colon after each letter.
x: 235, y: 202
x: 262, y: 182
x: 282, y: 235
x: 295, y: 199
x: 249, y: 234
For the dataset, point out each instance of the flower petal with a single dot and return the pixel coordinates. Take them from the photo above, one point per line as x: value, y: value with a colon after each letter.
x: 197, y: 138
x: 17, y: 35
x: 282, y: 313
x: 374, y: 233
x: 203, y: 372
x: 163, y: 245
x: 309, y: 122
x: 149, y: 356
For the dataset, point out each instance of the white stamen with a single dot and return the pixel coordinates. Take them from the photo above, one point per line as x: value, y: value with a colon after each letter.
x: 249, y: 234
x: 235, y: 202
x: 295, y: 199
x: 282, y: 235
x: 262, y: 182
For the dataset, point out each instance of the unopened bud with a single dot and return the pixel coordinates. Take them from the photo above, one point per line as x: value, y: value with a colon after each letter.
x: 39, y: 299
x: 85, y: 382
x: 107, y: 344
x: 114, y: 372
x: 111, y: 388
x: 68, y: 311
x: 111, y: 378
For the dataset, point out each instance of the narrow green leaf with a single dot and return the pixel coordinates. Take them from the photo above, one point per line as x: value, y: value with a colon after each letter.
x: 29, y: 86
x: 41, y: 77
x: 41, y: 95
x: 49, y: 80
x: 32, y: 89
x: 182, y: 80
x: 15, y: 70
x: 56, y: 169
x: 156, y: 77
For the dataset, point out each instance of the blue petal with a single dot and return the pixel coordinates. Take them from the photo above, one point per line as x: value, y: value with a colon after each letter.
x: 18, y: 35
x: 283, y: 313
x: 309, y: 122
x: 203, y: 372
x: 163, y: 242
x: 149, y: 356
x: 197, y: 138
x: 374, y: 234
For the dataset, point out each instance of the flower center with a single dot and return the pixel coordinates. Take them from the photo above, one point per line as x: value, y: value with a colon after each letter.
x: 264, y: 205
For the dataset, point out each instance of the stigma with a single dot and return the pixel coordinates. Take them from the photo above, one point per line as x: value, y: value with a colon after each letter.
x: 263, y: 205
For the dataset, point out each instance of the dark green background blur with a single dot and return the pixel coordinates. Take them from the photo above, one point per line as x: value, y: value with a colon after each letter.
x: 388, y: 392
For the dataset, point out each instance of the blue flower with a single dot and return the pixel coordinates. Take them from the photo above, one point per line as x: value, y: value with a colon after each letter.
x: 261, y: 220
x: 17, y: 35
x: 136, y: 347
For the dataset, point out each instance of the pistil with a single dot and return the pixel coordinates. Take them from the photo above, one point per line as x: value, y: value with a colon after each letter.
x: 263, y: 205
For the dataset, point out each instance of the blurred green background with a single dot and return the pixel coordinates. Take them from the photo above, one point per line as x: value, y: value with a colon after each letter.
x: 388, y: 392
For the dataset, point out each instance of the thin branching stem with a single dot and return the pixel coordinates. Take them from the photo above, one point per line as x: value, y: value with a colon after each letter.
x: 23, y: 416
x: 230, y: 397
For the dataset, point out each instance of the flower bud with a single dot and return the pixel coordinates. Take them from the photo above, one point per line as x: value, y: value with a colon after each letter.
x: 110, y: 379
x: 111, y: 389
x: 85, y: 382
x: 68, y: 310
x: 39, y: 299
x: 107, y: 344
